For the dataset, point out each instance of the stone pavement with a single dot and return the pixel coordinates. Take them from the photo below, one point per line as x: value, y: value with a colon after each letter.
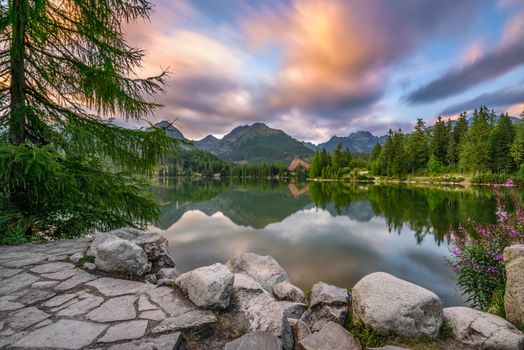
x: 48, y: 303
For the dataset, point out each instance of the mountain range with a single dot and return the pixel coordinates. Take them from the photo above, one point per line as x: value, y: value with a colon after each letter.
x: 257, y: 143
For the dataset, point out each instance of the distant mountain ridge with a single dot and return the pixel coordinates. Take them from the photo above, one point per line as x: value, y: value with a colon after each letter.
x: 360, y: 141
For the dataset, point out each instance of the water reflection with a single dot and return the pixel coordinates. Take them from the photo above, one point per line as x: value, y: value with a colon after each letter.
x: 332, y: 232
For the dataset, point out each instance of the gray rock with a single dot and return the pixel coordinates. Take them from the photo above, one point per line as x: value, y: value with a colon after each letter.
x: 190, y: 321
x: 263, y: 269
x: 4, y: 272
x: 119, y: 255
x: 288, y: 292
x: 17, y: 282
x: 126, y: 233
x: 111, y: 287
x: 81, y: 307
x: 80, y: 278
x: 208, y: 287
x: 483, y: 330
x: 392, y: 306
x: 328, y: 303
x: 76, y: 257
x: 332, y: 336
x: 168, y: 260
x: 300, y: 330
x: 89, y: 266
x: 24, y: 318
x: 52, y: 267
x: 6, y: 305
x: 144, y: 304
x: 170, y: 341
x: 64, y: 334
x: 514, y: 295
x: 165, y: 282
x: 263, y: 312
x: 33, y: 296
x: 61, y: 275
x: 154, y: 245
x: 124, y: 331
x: 154, y: 315
x: 115, y: 309
x: 255, y: 341
x: 169, y: 273
x: 150, y: 278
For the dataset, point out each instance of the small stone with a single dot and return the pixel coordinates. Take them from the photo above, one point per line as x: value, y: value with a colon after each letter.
x: 332, y: 336
x: 59, y: 300
x: 76, y: 257
x: 64, y: 334
x: 113, y: 287
x: 150, y: 278
x: 80, y: 278
x: 288, y: 292
x: 89, y: 266
x: 328, y: 303
x: 115, y: 309
x: 81, y: 307
x: 167, y: 273
x: 44, y: 284
x: 52, y: 267
x: 164, y: 342
x: 24, y: 318
x: 257, y: 340
x: 17, y: 282
x: 125, y: 331
x: 208, y: 287
x: 154, y: 315
x: 165, y: 282
x: 144, y: 304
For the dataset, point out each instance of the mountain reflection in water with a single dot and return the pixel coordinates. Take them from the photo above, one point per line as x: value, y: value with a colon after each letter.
x: 331, y: 232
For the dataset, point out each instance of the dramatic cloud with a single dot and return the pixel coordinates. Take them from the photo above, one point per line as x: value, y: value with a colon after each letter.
x: 508, y: 55
x: 501, y: 98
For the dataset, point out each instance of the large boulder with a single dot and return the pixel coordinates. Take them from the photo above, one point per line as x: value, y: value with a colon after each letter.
x: 119, y: 255
x: 332, y: 336
x: 208, y: 287
x: 255, y: 341
x: 263, y: 269
x: 482, y: 330
x: 514, y: 296
x: 288, y: 292
x: 328, y: 303
x: 392, y: 306
x: 262, y: 312
x: 127, y: 233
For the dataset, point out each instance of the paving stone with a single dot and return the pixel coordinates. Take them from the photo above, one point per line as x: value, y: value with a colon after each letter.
x: 17, y: 282
x: 81, y: 307
x: 80, y: 278
x: 10, y: 306
x: 44, y: 284
x: 24, y: 318
x: 170, y: 341
x: 144, y: 304
x: 42, y: 324
x: 154, y: 315
x: 4, y: 272
x: 23, y: 262
x: 125, y: 331
x: 114, y: 287
x: 64, y: 334
x: 34, y: 296
x: 63, y: 306
x: 115, y: 309
x: 52, y: 267
x: 6, y: 341
x: 59, y: 300
x: 58, y: 257
x: 61, y: 275
x: 192, y: 320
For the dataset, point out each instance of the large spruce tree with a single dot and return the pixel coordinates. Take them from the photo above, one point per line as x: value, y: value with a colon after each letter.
x: 475, y: 151
x: 63, y: 170
x: 501, y: 141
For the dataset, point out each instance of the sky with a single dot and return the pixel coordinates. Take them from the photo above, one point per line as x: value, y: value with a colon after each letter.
x: 318, y: 68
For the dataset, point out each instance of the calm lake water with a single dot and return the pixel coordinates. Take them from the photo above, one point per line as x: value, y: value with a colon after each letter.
x: 336, y: 233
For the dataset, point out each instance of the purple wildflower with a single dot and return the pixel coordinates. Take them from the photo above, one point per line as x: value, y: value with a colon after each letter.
x: 492, y: 269
x: 500, y: 258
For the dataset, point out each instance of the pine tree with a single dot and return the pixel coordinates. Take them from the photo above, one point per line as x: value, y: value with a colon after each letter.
x: 501, y: 141
x: 64, y: 170
x: 517, y: 147
x: 475, y: 153
x: 439, y: 140
x: 417, y: 149
x: 315, y: 167
x: 459, y: 131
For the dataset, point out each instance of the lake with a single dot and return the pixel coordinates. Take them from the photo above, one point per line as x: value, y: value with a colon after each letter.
x: 331, y: 232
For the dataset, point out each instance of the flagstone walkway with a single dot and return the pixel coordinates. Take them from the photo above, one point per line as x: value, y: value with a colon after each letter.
x: 48, y: 303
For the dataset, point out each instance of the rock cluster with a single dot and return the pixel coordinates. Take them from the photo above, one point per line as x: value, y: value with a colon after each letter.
x: 129, y: 250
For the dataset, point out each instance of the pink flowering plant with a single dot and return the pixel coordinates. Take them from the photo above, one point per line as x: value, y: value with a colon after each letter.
x: 477, y: 254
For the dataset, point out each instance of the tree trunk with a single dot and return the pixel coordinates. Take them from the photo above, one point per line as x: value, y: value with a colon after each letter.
x: 18, y: 111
